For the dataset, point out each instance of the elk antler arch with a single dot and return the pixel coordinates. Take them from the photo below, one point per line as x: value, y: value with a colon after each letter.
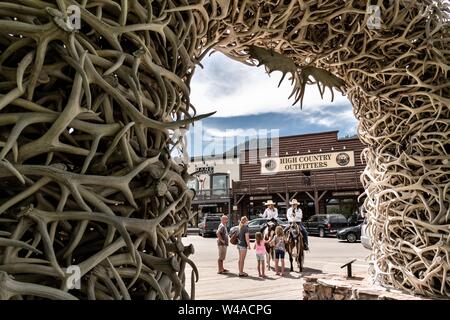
x: 88, y: 119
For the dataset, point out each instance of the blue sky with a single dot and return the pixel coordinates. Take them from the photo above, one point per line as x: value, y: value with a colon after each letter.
x: 249, y: 104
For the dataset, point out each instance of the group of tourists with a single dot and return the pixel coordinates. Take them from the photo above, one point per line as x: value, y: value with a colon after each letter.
x: 277, y: 241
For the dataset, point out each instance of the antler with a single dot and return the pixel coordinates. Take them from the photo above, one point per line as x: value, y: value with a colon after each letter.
x: 274, y: 61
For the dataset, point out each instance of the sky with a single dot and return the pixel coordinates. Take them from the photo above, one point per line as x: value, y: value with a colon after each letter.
x: 249, y: 104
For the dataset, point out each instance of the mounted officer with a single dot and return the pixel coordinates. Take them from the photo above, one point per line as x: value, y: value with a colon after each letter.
x: 295, y: 215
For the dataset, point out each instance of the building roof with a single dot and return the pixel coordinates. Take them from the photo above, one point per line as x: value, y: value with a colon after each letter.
x: 234, y: 152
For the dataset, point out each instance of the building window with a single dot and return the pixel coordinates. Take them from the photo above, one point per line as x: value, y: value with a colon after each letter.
x: 219, y: 184
x: 343, y: 206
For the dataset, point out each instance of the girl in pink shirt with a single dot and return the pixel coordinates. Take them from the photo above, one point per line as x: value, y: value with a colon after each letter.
x: 260, y: 254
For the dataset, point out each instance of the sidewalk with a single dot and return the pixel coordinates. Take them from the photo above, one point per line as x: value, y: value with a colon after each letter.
x: 231, y: 287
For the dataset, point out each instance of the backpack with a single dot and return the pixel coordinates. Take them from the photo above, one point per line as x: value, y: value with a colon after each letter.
x: 234, y: 236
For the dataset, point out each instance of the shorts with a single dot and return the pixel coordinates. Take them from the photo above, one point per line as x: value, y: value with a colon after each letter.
x: 222, y: 252
x: 241, y: 248
x: 260, y: 257
x: 279, y: 254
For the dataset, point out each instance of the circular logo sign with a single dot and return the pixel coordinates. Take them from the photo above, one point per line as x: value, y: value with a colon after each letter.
x: 342, y: 159
x: 270, y: 165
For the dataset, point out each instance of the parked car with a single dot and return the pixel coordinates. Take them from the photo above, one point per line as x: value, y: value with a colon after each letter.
x: 351, y: 234
x: 325, y: 224
x: 255, y: 225
x: 209, y: 225
x: 365, y: 239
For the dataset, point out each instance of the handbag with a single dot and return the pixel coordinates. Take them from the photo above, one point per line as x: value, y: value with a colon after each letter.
x: 234, y: 237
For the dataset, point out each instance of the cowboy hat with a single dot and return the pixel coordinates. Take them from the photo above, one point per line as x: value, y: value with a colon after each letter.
x: 294, y: 201
x: 269, y: 202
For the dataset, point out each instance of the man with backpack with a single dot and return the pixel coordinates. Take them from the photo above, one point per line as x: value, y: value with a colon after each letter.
x: 222, y: 243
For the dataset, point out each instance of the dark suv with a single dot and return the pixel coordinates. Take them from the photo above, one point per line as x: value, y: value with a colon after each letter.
x: 209, y: 225
x: 325, y: 224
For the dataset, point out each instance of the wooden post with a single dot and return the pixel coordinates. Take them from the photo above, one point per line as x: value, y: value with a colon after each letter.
x: 293, y: 196
x: 316, y: 201
x: 287, y: 201
x: 335, y: 182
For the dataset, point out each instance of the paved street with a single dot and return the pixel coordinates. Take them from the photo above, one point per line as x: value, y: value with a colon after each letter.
x: 326, y: 256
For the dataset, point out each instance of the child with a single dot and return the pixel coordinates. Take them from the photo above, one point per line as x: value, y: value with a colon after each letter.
x: 278, y: 243
x: 260, y: 253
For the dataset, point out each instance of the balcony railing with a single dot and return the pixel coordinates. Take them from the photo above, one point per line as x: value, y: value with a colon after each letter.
x: 212, y: 194
x: 323, y: 181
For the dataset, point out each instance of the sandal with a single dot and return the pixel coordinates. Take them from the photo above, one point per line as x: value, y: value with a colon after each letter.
x: 243, y: 275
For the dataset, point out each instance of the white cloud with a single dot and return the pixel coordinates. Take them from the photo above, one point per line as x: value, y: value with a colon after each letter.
x: 329, y: 117
x: 235, y: 89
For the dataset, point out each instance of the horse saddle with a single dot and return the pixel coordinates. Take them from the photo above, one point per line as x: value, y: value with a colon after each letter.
x: 269, y: 224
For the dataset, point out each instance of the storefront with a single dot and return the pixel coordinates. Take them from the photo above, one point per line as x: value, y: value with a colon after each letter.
x: 211, y: 181
x: 319, y: 170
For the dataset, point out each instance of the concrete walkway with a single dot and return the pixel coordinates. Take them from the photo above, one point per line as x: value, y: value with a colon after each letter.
x: 326, y: 255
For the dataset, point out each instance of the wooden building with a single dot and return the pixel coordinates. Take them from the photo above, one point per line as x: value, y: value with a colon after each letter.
x: 319, y: 170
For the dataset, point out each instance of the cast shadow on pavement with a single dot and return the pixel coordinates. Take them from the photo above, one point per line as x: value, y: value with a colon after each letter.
x: 298, y: 275
x: 307, y: 271
x: 235, y: 275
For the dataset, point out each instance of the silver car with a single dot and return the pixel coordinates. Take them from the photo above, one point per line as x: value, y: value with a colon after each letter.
x: 365, y: 239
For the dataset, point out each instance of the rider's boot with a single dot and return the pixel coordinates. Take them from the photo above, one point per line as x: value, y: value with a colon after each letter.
x: 305, y: 245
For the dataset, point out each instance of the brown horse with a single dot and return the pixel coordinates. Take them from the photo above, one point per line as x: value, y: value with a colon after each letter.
x: 268, y: 232
x: 294, y: 246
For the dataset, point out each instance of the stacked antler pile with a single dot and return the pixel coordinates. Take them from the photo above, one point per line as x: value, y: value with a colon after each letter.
x: 85, y: 119
x: 86, y: 177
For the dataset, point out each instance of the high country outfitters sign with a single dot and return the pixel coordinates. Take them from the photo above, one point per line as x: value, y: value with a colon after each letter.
x: 308, y: 162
